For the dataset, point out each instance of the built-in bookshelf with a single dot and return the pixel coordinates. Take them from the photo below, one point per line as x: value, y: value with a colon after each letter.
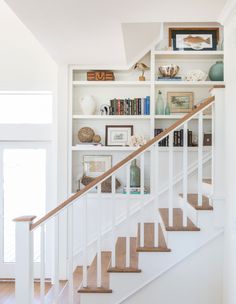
x: 127, y: 86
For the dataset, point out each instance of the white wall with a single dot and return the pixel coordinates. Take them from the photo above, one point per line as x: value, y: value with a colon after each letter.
x: 197, y: 280
x: 24, y: 64
x: 230, y: 164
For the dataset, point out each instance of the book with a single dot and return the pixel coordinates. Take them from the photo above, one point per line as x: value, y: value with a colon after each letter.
x: 161, y: 78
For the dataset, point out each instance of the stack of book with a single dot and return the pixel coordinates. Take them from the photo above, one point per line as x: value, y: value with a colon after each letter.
x: 136, y: 106
x: 135, y: 190
x: 178, y: 138
x: 176, y: 78
x: 164, y: 142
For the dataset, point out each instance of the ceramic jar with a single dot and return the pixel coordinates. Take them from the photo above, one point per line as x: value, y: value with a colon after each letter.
x: 88, y: 105
x: 216, y: 72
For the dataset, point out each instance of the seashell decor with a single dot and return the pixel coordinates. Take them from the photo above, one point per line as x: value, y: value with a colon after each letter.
x: 196, y: 75
x: 170, y: 70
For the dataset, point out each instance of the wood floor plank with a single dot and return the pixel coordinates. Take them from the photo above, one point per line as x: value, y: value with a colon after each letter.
x: 193, y: 201
x: 92, y: 276
x: 177, y: 221
x: 121, y: 256
x: 149, y: 240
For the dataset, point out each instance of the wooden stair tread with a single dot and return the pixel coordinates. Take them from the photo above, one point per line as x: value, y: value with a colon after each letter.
x: 207, y: 181
x: 149, y: 239
x: 193, y: 201
x: 92, y: 276
x: 121, y: 256
x: 177, y: 220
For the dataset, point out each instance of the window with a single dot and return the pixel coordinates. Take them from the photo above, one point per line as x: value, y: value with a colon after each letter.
x: 25, y: 108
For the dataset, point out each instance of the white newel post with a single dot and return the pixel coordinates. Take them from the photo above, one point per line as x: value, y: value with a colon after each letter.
x: 218, y: 155
x: 24, y: 287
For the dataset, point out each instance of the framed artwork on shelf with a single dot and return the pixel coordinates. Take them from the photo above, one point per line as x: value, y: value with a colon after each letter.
x: 207, y: 139
x: 118, y: 135
x: 193, y: 39
x: 180, y: 102
x: 95, y: 165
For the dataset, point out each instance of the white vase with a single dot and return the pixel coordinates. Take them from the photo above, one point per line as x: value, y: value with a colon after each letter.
x: 88, y: 105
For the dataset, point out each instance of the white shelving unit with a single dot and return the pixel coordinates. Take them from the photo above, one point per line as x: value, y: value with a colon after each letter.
x: 126, y: 85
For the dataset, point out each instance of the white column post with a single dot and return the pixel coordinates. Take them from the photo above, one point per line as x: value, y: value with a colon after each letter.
x: 218, y: 178
x: 185, y: 174
x: 24, y: 280
x: 170, y: 185
x: 127, y: 260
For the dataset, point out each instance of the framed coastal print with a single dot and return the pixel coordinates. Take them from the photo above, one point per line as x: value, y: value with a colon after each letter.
x: 117, y: 135
x: 95, y: 165
x: 193, y: 39
x: 180, y: 102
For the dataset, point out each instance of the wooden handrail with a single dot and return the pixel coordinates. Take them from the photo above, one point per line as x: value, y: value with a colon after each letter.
x: 123, y: 162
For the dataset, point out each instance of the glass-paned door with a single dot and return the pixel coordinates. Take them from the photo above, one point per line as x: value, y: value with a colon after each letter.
x: 23, y: 189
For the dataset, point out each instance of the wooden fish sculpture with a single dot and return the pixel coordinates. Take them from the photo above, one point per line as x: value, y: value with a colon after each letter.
x: 196, y: 42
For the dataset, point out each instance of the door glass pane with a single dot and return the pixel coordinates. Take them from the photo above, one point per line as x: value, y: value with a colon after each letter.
x: 24, y: 174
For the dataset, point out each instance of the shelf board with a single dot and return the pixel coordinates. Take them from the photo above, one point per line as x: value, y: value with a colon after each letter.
x: 129, y: 149
x: 112, y: 83
x: 178, y: 116
x: 188, y: 54
x: 171, y: 83
x: 107, y: 117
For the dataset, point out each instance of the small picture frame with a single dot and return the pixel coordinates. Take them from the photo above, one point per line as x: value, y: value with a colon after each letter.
x: 95, y: 165
x: 193, y: 39
x: 180, y: 102
x: 118, y: 135
x: 207, y: 139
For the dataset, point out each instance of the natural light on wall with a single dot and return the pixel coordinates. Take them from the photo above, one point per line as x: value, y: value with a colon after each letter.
x: 25, y: 108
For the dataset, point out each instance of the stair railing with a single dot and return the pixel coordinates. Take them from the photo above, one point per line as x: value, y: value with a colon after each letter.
x: 25, y: 226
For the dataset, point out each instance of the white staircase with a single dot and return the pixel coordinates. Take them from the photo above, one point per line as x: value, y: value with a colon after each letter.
x: 152, y: 240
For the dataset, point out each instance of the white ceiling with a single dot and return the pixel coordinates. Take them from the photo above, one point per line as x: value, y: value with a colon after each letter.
x: 106, y: 32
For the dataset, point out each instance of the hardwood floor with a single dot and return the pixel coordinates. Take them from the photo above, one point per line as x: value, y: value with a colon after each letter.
x: 7, y: 292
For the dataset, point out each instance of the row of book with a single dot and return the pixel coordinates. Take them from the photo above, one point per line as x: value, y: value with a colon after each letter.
x: 136, y: 106
x: 178, y: 138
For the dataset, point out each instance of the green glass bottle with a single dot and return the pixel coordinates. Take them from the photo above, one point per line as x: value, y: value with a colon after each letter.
x: 134, y: 174
x: 160, y: 104
x: 167, y: 109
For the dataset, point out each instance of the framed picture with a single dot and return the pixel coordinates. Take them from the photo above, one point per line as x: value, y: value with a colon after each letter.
x: 118, y: 135
x: 194, y: 39
x: 207, y: 139
x: 180, y: 102
x: 95, y: 165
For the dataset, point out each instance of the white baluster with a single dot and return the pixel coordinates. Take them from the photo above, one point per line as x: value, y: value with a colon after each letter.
x: 56, y: 256
x: 99, y: 254
x: 142, y: 201
x: 156, y: 202
x: 113, y: 250
x: 24, y: 284
x: 127, y: 261
x: 70, y: 253
x: 42, y: 264
x: 85, y: 228
x: 170, y: 185
x: 200, y: 156
x: 185, y: 173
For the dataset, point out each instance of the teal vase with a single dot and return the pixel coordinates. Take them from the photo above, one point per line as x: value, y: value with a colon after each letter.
x: 167, y: 109
x: 134, y: 174
x: 216, y: 72
x: 160, y: 104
